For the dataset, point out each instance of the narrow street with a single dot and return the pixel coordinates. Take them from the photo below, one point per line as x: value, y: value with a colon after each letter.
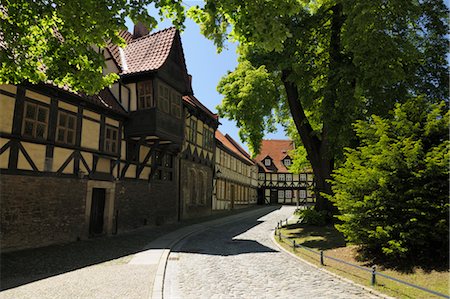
x: 240, y: 260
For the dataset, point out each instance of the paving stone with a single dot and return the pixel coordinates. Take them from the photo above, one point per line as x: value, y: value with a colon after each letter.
x: 239, y: 260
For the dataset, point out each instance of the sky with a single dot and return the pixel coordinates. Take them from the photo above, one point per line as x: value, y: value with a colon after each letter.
x: 207, y: 67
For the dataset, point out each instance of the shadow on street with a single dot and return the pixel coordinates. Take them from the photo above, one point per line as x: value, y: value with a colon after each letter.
x: 25, y: 266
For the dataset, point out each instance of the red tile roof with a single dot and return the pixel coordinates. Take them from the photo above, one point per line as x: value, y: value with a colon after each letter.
x: 114, y: 49
x: 148, y: 53
x: 233, y: 146
x: 277, y: 150
x: 194, y: 102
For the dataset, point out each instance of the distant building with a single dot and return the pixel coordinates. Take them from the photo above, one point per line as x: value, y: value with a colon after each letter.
x: 235, y: 175
x: 276, y: 184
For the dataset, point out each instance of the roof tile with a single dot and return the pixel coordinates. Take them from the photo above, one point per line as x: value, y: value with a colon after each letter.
x: 277, y: 150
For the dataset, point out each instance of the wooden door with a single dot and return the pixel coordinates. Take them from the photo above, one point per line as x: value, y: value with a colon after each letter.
x: 274, y: 196
x: 97, y: 211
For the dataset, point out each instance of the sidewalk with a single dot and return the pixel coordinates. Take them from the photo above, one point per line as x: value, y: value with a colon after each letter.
x: 129, y: 265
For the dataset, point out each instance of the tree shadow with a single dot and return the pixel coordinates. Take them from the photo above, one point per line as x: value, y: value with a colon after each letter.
x: 226, y: 240
x: 317, y: 237
x: 25, y: 266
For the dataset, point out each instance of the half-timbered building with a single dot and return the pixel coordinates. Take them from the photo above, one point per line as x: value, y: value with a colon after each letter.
x: 74, y: 166
x: 276, y: 183
x: 235, y: 180
x: 197, y: 159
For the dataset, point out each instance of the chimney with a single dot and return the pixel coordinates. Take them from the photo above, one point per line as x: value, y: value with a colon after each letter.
x: 140, y: 30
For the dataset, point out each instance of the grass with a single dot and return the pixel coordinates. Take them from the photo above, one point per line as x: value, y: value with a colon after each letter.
x: 332, y: 242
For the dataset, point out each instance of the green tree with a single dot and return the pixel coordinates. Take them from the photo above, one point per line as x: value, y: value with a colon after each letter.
x: 329, y: 63
x: 58, y: 40
x: 392, y: 190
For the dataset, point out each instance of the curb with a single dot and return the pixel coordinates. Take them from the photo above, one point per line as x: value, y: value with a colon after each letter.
x: 370, y: 290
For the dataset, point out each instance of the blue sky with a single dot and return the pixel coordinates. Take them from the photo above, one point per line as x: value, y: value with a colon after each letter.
x: 207, y: 67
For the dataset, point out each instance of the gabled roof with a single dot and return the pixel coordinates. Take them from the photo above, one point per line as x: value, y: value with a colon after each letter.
x: 277, y: 150
x: 194, y: 102
x: 229, y: 143
x: 148, y: 53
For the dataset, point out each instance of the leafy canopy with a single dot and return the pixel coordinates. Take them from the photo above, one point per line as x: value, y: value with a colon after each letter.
x: 392, y: 190
x: 383, y: 53
x: 58, y: 40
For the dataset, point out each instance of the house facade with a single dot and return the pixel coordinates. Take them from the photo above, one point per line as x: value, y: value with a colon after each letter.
x: 235, y: 181
x: 75, y: 166
x: 197, y: 159
x: 276, y: 184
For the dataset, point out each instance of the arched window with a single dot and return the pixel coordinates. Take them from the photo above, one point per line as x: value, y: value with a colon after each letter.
x: 201, y: 188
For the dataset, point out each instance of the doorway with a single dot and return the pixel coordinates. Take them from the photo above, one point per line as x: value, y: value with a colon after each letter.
x: 273, y: 196
x: 97, y: 211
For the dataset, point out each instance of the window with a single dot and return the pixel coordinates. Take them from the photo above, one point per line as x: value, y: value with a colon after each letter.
x: 287, y: 162
x: 303, y: 177
x: 289, y: 177
x: 132, y: 151
x: 267, y: 162
x: 111, y: 140
x: 262, y: 176
x: 35, y: 121
x: 302, y: 193
x: 66, y: 129
x: 288, y: 194
x: 163, y: 97
x: 207, y: 139
x: 281, y: 177
x: 280, y: 194
x: 145, y: 94
x: 175, y: 104
x: 192, y: 137
x: 165, y: 166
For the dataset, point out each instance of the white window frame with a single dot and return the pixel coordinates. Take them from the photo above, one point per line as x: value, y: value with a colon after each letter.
x: 288, y: 194
x: 267, y: 162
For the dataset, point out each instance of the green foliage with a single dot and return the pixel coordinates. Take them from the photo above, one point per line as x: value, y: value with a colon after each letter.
x: 392, y: 190
x: 58, y: 40
x: 366, y: 77
x: 250, y: 96
x: 312, y: 217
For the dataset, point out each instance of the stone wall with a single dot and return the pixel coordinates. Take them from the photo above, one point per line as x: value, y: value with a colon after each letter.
x: 196, y: 189
x: 140, y: 203
x: 38, y: 211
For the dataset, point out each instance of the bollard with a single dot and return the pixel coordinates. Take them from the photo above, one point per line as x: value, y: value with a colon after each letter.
x: 286, y: 222
x: 374, y: 272
x: 321, y: 258
x: 293, y: 245
x: 279, y: 235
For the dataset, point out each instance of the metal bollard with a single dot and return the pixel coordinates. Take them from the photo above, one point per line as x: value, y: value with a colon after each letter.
x: 374, y: 272
x: 293, y: 245
x: 279, y: 235
x: 321, y: 258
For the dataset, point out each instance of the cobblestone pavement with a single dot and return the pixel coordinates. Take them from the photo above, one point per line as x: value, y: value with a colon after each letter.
x: 240, y: 260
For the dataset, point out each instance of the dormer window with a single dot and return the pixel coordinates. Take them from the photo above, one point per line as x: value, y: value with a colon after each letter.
x: 287, y: 162
x: 267, y: 162
x: 145, y: 94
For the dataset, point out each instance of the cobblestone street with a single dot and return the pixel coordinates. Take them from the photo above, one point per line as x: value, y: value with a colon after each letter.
x: 239, y: 260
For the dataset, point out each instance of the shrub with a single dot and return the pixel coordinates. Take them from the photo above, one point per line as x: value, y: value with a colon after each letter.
x: 313, y: 217
x: 392, y: 191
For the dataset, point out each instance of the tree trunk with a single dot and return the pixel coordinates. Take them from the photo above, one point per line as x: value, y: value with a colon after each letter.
x: 320, y: 151
x: 317, y: 150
